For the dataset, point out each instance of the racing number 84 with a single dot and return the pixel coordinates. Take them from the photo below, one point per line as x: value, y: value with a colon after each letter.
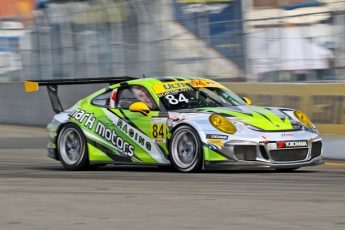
x: 158, y: 131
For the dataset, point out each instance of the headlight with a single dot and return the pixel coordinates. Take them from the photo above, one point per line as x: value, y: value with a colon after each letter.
x: 222, y: 124
x: 304, y: 119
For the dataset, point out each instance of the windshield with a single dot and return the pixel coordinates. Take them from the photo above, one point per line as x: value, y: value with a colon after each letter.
x: 190, y: 98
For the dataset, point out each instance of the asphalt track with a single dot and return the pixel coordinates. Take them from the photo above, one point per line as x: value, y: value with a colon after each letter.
x: 37, y: 193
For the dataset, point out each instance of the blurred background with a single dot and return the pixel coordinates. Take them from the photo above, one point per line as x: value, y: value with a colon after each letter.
x: 232, y: 40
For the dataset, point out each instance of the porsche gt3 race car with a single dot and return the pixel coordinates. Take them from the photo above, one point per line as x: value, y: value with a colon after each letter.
x: 191, y: 124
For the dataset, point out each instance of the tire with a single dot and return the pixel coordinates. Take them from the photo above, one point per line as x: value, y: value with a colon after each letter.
x: 286, y: 170
x: 72, y: 149
x: 186, y: 149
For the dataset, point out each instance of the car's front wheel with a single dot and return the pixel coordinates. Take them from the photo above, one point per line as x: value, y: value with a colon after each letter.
x: 71, y: 148
x: 186, y: 149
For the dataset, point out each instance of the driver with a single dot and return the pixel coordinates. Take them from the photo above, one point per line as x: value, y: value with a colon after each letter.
x: 144, y: 96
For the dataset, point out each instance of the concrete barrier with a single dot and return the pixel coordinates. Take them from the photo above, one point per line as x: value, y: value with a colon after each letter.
x: 323, y: 103
x: 19, y: 107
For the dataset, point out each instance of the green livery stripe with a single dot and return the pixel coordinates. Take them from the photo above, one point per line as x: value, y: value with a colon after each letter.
x: 96, y: 154
x: 123, y: 131
x: 118, y: 113
x: 164, y: 149
x: 140, y: 120
x: 211, y: 155
x: 258, y: 117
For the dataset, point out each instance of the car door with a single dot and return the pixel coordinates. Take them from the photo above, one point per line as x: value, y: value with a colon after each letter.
x: 144, y: 135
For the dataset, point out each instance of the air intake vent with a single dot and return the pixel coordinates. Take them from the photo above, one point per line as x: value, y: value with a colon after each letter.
x: 263, y: 152
x: 316, y: 149
x: 289, y: 154
x: 245, y: 152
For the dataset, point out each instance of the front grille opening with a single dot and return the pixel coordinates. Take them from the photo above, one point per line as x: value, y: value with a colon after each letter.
x: 245, y: 152
x: 289, y: 154
x: 316, y: 149
x: 263, y: 152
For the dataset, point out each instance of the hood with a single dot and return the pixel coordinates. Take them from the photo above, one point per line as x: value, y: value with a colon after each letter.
x: 257, y: 118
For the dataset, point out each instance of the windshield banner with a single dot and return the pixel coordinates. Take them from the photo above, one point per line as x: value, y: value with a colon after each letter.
x: 180, y: 86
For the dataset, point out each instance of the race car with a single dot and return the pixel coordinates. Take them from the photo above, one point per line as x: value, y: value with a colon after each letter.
x: 189, y: 123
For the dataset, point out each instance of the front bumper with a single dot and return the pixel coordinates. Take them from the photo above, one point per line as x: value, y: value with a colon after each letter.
x: 223, y: 165
x: 277, y: 150
x: 52, y: 152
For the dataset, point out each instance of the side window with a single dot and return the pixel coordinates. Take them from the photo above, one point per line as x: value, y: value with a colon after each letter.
x: 126, y: 96
x: 102, y: 100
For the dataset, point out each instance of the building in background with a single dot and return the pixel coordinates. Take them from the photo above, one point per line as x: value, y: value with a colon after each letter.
x: 295, y: 40
x: 256, y: 40
x: 103, y: 38
x: 15, y: 15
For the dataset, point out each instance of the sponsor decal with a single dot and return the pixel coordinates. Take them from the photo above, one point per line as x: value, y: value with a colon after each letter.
x: 174, y: 92
x: 116, y: 141
x: 214, y: 144
x: 292, y: 144
x: 216, y: 136
x: 89, y: 120
x: 265, y: 142
x: 287, y: 134
x: 111, y: 136
x: 172, y: 100
x: 158, y: 129
x: 160, y: 141
x: 81, y: 116
x: 139, y: 138
x: 175, y: 87
x: 173, y: 115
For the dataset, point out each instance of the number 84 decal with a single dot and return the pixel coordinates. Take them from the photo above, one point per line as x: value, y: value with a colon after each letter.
x: 158, y: 128
x: 172, y: 100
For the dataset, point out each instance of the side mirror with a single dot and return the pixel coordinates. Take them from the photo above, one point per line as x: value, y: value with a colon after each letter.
x: 140, y: 107
x: 249, y: 102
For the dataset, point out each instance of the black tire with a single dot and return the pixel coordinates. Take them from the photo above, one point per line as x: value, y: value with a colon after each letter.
x: 185, y: 149
x: 287, y: 169
x: 72, y: 148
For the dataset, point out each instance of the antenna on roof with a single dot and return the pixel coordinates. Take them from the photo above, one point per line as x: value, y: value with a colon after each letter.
x: 143, y: 75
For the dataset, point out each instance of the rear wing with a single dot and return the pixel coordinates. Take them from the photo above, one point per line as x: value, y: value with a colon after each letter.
x: 52, y: 86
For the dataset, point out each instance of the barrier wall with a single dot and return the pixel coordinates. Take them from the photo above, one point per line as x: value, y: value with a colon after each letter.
x: 19, y: 107
x: 323, y: 103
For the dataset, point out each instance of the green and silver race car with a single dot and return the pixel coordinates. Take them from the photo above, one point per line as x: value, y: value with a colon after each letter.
x: 191, y: 124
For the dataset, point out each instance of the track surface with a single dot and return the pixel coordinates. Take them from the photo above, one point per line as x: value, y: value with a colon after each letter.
x: 37, y: 193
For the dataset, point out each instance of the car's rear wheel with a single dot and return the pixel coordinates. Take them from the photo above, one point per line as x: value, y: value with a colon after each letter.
x: 186, y: 149
x: 71, y: 148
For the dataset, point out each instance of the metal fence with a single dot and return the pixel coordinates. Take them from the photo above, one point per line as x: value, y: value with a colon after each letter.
x: 104, y: 38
